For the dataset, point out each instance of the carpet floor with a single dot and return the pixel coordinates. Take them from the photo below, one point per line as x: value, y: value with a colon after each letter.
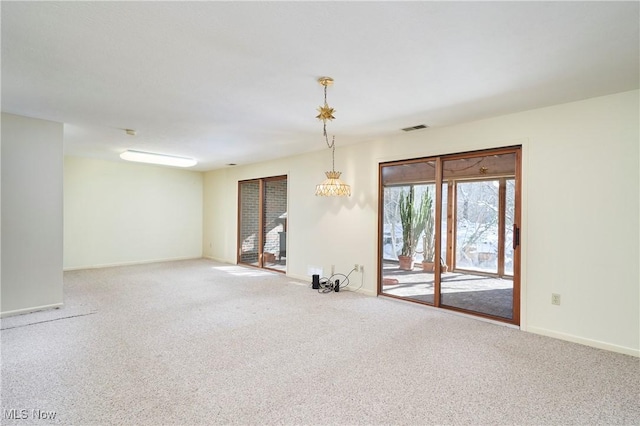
x: 200, y: 342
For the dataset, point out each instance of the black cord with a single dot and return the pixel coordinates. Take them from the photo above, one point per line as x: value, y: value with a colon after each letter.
x: 327, y: 285
x: 360, y: 286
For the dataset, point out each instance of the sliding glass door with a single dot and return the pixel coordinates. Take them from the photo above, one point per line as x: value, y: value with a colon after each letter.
x: 483, y: 206
x: 447, y: 232
x: 262, y: 223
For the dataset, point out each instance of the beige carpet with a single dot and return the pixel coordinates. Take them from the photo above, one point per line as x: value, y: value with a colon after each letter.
x: 198, y: 342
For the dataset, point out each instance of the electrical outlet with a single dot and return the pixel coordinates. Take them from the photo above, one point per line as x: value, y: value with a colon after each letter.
x: 361, y: 268
x: 356, y: 267
x: 555, y: 299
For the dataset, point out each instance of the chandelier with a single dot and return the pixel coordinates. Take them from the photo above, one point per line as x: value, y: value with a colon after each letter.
x: 332, y: 186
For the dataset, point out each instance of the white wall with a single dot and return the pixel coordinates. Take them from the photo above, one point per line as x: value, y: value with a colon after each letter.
x: 579, y: 221
x: 119, y: 213
x: 31, y: 214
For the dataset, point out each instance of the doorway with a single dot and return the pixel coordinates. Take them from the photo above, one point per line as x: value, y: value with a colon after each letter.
x: 262, y: 223
x: 449, y: 232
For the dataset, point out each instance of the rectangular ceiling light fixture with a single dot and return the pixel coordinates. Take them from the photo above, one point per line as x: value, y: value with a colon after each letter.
x: 152, y: 158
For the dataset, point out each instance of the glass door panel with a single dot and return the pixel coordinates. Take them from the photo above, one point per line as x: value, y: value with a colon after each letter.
x: 274, y: 250
x: 475, y: 280
x: 249, y: 222
x: 407, y: 232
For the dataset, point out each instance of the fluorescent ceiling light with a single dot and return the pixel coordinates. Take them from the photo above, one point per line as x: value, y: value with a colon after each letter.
x: 150, y: 157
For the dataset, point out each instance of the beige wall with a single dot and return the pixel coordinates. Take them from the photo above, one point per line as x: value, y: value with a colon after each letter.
x: 580, y: 217
x: 118, y: 213
x: 31, y: 214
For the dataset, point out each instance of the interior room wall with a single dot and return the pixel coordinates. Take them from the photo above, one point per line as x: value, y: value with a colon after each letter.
x: 119, y: 213
x: 32, y: 152
x: 580, y: 227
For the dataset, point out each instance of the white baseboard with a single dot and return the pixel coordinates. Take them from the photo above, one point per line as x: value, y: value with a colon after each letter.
x: 302, y: 278
x: 30, y: 310
x: 130, y: 263
x: 217, y: 259
x: 583, y: 341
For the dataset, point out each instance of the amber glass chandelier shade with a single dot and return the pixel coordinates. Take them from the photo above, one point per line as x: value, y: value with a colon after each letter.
x: 333, y: 186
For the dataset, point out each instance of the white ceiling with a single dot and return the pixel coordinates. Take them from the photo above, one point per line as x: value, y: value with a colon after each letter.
x: 235, y: 82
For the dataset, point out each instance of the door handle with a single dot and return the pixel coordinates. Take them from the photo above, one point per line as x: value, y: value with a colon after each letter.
x: 516, y: 236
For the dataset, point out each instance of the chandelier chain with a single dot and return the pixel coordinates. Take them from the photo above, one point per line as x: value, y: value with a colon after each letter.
x: 331, y: 145
x: 332, y: 186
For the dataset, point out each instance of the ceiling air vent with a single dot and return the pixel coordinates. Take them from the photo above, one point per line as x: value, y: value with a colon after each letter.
x: 418, y: 127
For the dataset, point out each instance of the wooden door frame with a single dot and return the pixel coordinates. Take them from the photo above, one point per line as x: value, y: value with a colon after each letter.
x: 260, y: 237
